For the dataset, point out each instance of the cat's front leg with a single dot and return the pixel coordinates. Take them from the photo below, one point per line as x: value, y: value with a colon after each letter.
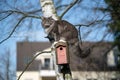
x: 56, y: 36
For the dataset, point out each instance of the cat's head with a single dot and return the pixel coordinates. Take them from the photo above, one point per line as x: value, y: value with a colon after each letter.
x: 46, y: 22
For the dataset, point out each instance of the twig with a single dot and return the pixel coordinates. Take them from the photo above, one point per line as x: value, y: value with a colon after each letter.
x: 80, y: 35
x: 19, y: 12
x: 13, y: 11
x: 93, y: 22
x: 1, y: 77
x: 61, y: 6
x: 35, y: 11
x: 69, y: 7
x: 33, y: 16
x: 6, y: 16
x: 109, y: 49
x: 85, y: 24
x: 38, y: 53
x: 12, y: 30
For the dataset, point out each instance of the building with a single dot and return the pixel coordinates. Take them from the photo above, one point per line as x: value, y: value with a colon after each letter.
x: 101, y: 64
x: 36, y: 71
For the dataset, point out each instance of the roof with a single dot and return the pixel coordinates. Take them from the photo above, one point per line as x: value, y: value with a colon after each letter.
x: 96, y: 61
x: 26, y: 51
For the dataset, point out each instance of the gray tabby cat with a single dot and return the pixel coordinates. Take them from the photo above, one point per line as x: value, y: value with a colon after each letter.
x: 62, y: 29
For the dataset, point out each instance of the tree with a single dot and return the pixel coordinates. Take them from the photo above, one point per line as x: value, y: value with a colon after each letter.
x: 17, y: 16
x: 26, y: 16
x: 6, y: 72
x: 113, y: 8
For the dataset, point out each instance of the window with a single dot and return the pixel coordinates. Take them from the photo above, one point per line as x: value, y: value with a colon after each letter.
x: 47, y: 63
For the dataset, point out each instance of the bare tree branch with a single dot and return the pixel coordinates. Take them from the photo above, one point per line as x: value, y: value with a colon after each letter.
x: 61, y: 6
x: 32, y: 16
x: 87, y: 25
x: 79, y: 33
x: 12, y: 30
x: 19, y: 12
x: 13, y: 11
x: 108, y: 50
x: 38, y: 53
x: 35, y: 11
x: 6, y: 16
x: 68, y: 8
x: 22, y: 13
x: 1, y: 77
x: 93, y: 22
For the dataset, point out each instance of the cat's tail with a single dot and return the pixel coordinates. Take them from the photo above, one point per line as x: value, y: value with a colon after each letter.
x: 83, y: 53
x: 76, y: 49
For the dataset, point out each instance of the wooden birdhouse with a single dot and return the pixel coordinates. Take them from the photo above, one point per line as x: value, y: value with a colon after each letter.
x: 62, y: 54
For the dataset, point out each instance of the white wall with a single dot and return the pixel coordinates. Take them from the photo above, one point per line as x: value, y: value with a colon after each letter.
x: 42, y: 58
x: 84, y: 75
x: 29, y: 75
x: 111, y: 59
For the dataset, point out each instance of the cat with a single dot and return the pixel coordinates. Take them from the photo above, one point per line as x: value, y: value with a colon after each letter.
x: 61, y: 29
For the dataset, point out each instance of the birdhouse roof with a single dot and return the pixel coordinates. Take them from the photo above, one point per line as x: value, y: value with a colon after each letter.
x: 60, y: 44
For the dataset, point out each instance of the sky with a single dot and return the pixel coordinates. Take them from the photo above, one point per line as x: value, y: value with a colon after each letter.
x: 36, y: 33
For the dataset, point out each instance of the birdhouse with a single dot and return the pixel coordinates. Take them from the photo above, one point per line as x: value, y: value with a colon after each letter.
x: 62, y: 55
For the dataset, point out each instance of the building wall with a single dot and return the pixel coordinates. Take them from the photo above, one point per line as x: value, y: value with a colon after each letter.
x: 92, y: 75
x: 76, y: 75
x: 26, y: 51
x: 111, y: 59
x: 42, y: 58
x: 29, y: 75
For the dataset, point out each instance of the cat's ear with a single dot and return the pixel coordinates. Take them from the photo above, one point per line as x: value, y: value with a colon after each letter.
x: 51, y: 18
x: 42, y: 17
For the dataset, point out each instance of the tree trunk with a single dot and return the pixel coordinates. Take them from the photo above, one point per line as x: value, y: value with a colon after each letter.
x: 48, y: 9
